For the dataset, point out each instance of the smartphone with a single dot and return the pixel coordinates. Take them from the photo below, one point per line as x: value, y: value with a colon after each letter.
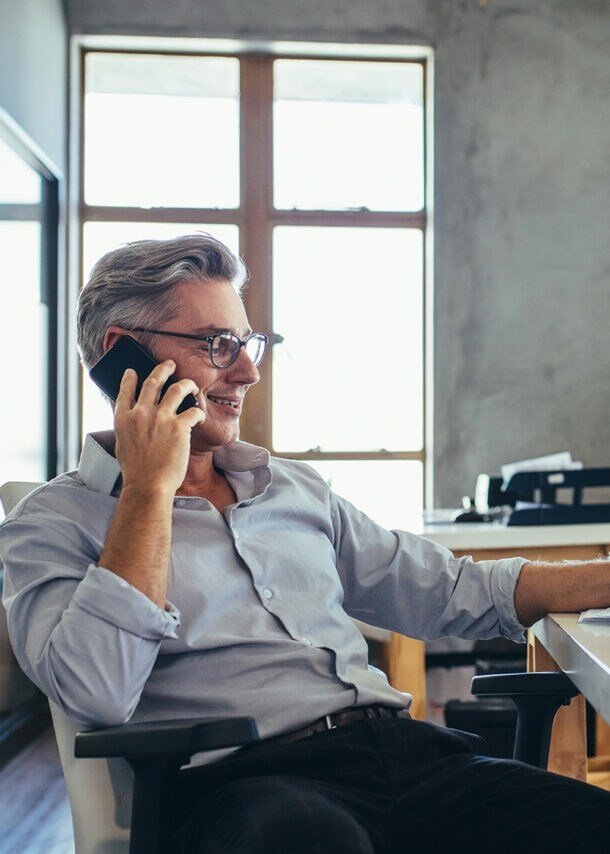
x: 127, y: 353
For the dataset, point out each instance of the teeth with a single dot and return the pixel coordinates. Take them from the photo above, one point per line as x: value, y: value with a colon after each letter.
x: 223, y: 401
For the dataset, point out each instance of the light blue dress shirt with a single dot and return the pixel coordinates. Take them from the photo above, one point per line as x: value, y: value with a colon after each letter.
x: 260, y: 598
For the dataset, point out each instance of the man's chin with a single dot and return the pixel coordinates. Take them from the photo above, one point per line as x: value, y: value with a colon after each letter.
x: 209, y: 437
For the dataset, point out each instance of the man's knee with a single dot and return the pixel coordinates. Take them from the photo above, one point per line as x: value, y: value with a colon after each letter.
x: 272, y: 815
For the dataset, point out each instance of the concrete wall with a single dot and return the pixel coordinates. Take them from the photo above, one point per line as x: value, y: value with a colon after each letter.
x: 522, y: 226
x: 33, y: 72
x: 521, y: 203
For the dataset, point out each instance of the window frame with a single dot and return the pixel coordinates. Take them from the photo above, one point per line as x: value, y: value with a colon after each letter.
x: 46, y: 213
x: 256, y: 216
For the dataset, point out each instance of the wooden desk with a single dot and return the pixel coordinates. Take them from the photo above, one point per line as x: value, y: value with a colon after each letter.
x: 405, y: 657
x: 536, y: 541
x: 582, y: 650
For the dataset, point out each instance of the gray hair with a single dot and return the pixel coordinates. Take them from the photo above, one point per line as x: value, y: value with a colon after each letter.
x: 132, y: 285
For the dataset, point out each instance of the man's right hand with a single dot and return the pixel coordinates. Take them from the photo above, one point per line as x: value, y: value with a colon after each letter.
x: 152, y: 445
x: 153, y: 442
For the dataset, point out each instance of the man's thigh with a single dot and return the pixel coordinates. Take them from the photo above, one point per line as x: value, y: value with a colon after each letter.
x: 478, y: 804
x: 271, y: 815
x: 408, y: 782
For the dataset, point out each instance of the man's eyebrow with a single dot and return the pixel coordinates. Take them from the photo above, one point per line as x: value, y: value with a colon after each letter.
x: 212, y: 329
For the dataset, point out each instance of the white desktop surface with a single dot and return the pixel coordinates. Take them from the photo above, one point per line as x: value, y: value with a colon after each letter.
x: 490, y: 535
x: 582, y: 650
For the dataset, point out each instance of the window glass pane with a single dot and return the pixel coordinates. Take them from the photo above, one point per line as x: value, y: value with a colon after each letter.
x: 348, y: 135
x: 101, y: 237
x: 348, y: 302
x: 161, y: 130
x: 18, y: 182
x: 389, y: 491
x: 23, y: 337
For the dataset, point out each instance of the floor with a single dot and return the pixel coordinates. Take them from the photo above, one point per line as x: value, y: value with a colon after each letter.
x: 34, y: 811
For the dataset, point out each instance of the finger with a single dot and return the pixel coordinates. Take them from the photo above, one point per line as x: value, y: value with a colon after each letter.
x: 192, y: 416
x: 127, y: 391
x: 154, y: 382
x: 176, y: 393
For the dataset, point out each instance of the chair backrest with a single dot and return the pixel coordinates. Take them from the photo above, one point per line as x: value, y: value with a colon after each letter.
x: 13, y: 491
x: 99, y: 790
x: 15, y: 687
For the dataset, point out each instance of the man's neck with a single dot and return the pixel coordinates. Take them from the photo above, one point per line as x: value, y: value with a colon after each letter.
x: 205, y: 481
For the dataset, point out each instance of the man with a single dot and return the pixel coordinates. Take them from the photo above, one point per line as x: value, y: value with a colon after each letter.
x: 180, y: 572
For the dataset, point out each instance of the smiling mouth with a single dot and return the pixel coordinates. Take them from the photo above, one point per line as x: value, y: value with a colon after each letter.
x: 223, y: 401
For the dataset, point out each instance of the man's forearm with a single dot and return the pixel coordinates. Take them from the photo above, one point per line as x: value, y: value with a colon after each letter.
x: 546, y: 587
x: 138, y: 544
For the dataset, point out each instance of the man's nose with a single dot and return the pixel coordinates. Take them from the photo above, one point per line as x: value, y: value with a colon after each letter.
x: 243, y: 369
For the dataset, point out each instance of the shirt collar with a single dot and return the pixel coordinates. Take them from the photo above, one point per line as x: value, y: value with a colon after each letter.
x: 241, y: 456
x: 98, y: 468
x: 246, y: 467
x: 100, y: 471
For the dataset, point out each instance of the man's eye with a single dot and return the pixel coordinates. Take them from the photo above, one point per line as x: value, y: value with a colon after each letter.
x: 221, y: 347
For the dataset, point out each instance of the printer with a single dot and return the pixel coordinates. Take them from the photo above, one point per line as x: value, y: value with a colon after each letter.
x: 545, y: 496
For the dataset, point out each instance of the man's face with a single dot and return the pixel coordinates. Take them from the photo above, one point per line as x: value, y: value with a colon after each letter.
x: 206, y: 308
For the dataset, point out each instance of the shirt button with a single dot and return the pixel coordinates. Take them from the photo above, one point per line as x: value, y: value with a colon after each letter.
x: 180, y: 503
x: 306, y: 641
x: 267, y: 593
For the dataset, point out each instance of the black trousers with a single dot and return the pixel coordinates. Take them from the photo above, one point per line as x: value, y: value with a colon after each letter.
x: 383, y: 786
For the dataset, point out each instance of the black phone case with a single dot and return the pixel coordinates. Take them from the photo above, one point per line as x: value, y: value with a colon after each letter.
x: 127, y: 353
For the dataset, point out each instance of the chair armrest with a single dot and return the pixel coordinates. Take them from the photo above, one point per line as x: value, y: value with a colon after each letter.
x: 537, y: 697
x: 165, y: 738
x: 514, y: 685
x: 154, y: 751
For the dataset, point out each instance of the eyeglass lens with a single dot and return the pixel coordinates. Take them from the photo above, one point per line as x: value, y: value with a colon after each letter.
x: 225, y: 349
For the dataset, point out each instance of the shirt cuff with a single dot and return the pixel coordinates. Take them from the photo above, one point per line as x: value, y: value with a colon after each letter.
x: 504, y: 576
x: 107, y: 596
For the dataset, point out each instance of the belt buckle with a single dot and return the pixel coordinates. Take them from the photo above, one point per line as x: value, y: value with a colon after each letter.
x: 328, y: 722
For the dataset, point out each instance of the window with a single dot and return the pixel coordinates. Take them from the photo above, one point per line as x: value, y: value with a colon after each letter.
x: 314, y: 169
x: 28, y: 247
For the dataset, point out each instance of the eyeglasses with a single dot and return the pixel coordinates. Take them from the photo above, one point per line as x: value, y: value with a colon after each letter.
x: 223, y: 347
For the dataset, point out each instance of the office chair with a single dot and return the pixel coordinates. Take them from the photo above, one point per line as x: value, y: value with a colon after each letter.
x: 537, y: 697
x: 115, y: 775
x: 510, y: 714
x: 156, y: 750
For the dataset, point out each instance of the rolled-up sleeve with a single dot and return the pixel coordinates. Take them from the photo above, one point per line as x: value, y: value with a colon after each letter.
x: 409, y: 584
x: 85, y: 636
x: 108, y: 597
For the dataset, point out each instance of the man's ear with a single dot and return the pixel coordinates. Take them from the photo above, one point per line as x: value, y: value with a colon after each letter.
x: 112, y: 335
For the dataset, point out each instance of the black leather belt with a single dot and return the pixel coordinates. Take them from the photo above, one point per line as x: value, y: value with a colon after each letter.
x: 337, y: 719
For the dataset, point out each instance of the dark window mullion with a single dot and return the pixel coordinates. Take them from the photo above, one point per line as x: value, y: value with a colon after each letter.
x: 256, y: 238
x: 112, y: 213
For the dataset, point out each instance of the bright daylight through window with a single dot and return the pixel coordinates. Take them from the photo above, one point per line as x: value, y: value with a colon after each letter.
x: 23, y: 319
x: 313, y: 169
